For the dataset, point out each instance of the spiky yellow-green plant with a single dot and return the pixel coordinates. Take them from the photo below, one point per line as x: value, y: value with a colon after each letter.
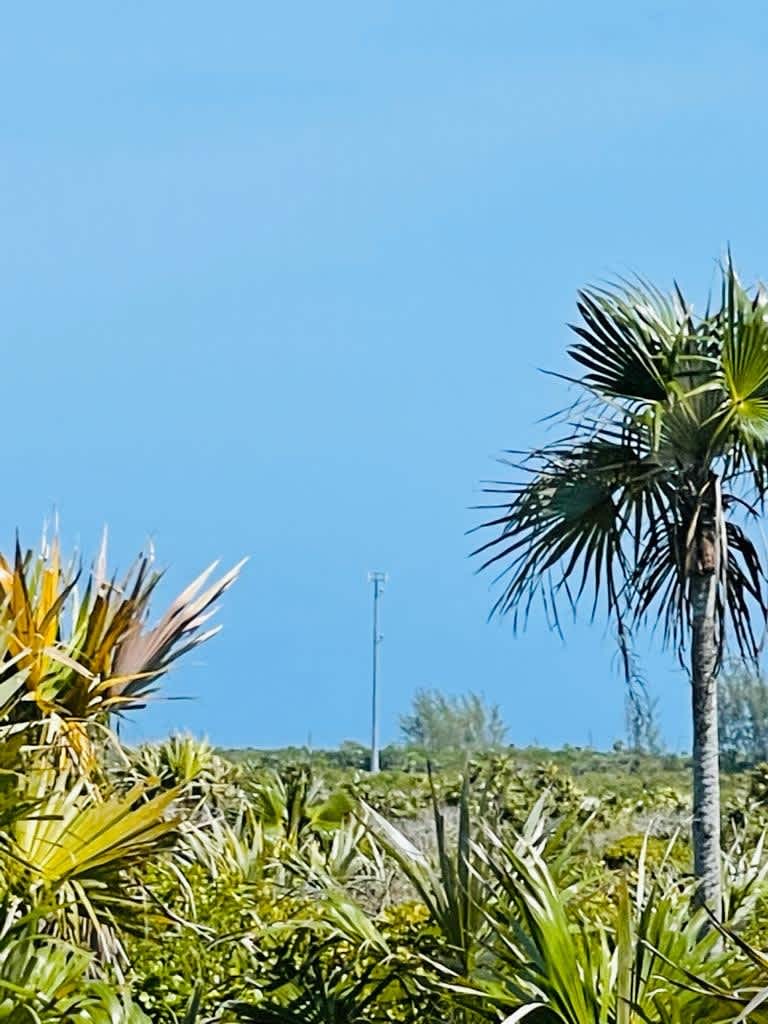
x: 73, y: 850
x: 71, y: 656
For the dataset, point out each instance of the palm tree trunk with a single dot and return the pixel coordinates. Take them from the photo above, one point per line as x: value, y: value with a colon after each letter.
x: 706, y: 774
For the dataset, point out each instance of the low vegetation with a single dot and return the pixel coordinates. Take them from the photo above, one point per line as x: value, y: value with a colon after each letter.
x: 177, y: 884
x: 513, y: 884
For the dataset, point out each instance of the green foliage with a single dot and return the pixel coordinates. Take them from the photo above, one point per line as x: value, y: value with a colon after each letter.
x: 167, y: 884
x: 758, y: 785
x: 452, y: 889
x: 182, y: 761
x: 662, y: 452
x: 284, y: 907
x: 47, y: 982
x: 440, y: 722
x: 634, y: 969
x: 295, y: 802
x: 742, y: 716
x: 628, y: 851
x: 642, y: 720
x: 77, y: 846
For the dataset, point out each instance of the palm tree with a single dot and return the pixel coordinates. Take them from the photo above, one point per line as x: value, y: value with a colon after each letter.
x: 647, y: 501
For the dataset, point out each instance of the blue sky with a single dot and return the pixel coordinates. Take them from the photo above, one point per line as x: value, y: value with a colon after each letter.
x: 277, y: 279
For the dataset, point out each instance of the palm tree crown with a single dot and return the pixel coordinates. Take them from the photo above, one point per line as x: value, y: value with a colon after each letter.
x: 661, y: 472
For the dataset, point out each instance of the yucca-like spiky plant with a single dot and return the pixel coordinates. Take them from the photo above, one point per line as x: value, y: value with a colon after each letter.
x: 654, y: 962
x: 46, y: 981
x: 71, y: 657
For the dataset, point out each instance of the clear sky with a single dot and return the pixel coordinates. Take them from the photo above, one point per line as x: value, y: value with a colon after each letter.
x: 277, y: 278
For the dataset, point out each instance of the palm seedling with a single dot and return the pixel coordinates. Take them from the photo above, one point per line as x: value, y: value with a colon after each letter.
x: 342, y: 974
x: 654, y: 964
x: 76, y: 860
x: 207, y: 782
x: 451, y: 885
x: 293, y: 806
x: 43, y: 981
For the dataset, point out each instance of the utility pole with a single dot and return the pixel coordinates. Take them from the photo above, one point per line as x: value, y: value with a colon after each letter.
x: 378, y: 579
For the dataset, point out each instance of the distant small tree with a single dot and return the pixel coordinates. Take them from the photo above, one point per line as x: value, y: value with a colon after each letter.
x: 442, y: 722
x: 743, y: 715
x: 642, y: 722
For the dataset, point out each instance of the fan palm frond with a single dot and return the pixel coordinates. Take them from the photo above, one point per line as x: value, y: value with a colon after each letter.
x: 83, y: 657
x: 675, y: 432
